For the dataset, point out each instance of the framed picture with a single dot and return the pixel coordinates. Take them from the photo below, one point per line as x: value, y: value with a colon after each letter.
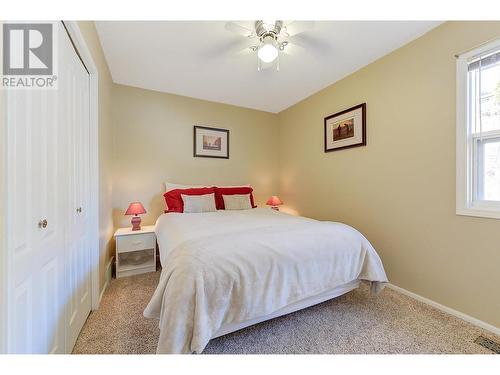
x: 346, y: 129
x: 211, y: 142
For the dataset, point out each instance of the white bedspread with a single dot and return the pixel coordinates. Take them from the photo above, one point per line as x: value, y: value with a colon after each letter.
x: 231, y: 266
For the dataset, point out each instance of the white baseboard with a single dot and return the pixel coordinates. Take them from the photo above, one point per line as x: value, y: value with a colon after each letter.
x: 449, y: 310
x: 108, y: 275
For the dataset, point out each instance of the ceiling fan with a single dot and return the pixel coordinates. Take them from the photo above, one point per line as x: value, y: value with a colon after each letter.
x: 270, y: 38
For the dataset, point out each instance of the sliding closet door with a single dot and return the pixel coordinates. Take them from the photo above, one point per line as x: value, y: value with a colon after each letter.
x: 75, y: 114
x: 35, y: 222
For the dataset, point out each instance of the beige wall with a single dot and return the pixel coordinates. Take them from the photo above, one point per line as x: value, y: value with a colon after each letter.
x: 399, y: 190
x: 105, y: 146
x: 153, y: 142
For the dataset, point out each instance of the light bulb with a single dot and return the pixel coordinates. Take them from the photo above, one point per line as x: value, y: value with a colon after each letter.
x: 267, y: 52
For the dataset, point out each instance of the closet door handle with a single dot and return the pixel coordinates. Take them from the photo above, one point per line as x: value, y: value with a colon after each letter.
x: 79, y: 210
x: 43, y: 223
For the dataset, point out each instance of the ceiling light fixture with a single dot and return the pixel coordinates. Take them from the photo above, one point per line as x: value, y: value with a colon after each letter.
x: 267, y: 51
x: 273, y: 37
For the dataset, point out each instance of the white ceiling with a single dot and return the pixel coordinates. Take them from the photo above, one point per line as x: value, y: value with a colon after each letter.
x: 199, y: 59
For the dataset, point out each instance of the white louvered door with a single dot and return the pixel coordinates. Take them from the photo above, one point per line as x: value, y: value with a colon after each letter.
x: 48, y: 270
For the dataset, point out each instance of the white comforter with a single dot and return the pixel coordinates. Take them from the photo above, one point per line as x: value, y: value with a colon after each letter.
x: 232, y: 266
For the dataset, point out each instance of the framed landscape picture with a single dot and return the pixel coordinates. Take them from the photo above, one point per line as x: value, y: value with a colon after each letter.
x: 211, y: 142
x: 346, y: 129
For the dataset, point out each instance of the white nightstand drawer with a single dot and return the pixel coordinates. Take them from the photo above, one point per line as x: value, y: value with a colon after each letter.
x: 135, y: 242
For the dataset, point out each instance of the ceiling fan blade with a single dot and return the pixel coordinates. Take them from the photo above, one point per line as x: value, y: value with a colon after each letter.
x: 292, y: 49
x: 244, y: 52
x: 297, y: 27
x: 238, y: 29
x: 235, y: 48
x: 297, y: 42
x: 310, y: 43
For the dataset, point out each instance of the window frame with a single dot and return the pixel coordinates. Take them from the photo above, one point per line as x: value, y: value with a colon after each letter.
x: 466, y: 143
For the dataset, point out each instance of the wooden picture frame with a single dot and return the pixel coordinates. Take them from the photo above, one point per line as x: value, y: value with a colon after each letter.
x: 345, y: 129
x: 210, y: 142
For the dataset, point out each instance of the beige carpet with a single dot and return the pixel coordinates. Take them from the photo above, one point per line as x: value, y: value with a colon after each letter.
x: 353, y: 323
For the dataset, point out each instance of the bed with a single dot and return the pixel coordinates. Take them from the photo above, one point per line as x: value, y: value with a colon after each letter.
x: 226, y: 270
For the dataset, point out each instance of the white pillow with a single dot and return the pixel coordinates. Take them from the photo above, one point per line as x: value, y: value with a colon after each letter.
x: 237, y: 202
x: 199, y: 203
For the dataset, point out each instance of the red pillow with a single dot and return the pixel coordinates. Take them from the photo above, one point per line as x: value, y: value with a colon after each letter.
x: 174, y: 201
x: 220, y: 191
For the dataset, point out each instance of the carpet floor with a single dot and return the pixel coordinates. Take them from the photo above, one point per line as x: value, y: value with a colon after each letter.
x: 355, y: 323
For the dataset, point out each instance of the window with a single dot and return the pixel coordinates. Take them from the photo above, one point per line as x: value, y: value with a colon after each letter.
x: 478, y: 132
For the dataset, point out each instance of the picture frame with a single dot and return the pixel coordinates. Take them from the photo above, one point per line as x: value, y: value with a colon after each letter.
x: 345, y: 129
x: 210, y: 142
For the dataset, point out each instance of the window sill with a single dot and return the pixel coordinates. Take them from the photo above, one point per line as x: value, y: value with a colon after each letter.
x: 479, y: 212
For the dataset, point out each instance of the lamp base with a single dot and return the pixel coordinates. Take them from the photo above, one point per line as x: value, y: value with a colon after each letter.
x: 275, y: 208
x: 136, y: 223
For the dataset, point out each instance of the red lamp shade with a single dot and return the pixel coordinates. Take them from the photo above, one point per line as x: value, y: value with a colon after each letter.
x: 135, y: 208
x: 274, y: 201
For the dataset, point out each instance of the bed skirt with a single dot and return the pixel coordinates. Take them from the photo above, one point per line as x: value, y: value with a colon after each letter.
x: 302, y: 304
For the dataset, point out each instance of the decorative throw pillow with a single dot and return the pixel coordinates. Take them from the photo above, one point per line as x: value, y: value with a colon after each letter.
x: 237, y: 202
x: 220, y: 191
x: 199, y: 203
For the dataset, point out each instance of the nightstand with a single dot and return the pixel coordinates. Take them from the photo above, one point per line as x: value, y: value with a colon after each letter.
x: 135, y: 251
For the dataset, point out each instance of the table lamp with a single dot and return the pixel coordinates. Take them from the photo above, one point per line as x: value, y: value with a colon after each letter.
x: 136, y: 208
x: 274, y: 202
